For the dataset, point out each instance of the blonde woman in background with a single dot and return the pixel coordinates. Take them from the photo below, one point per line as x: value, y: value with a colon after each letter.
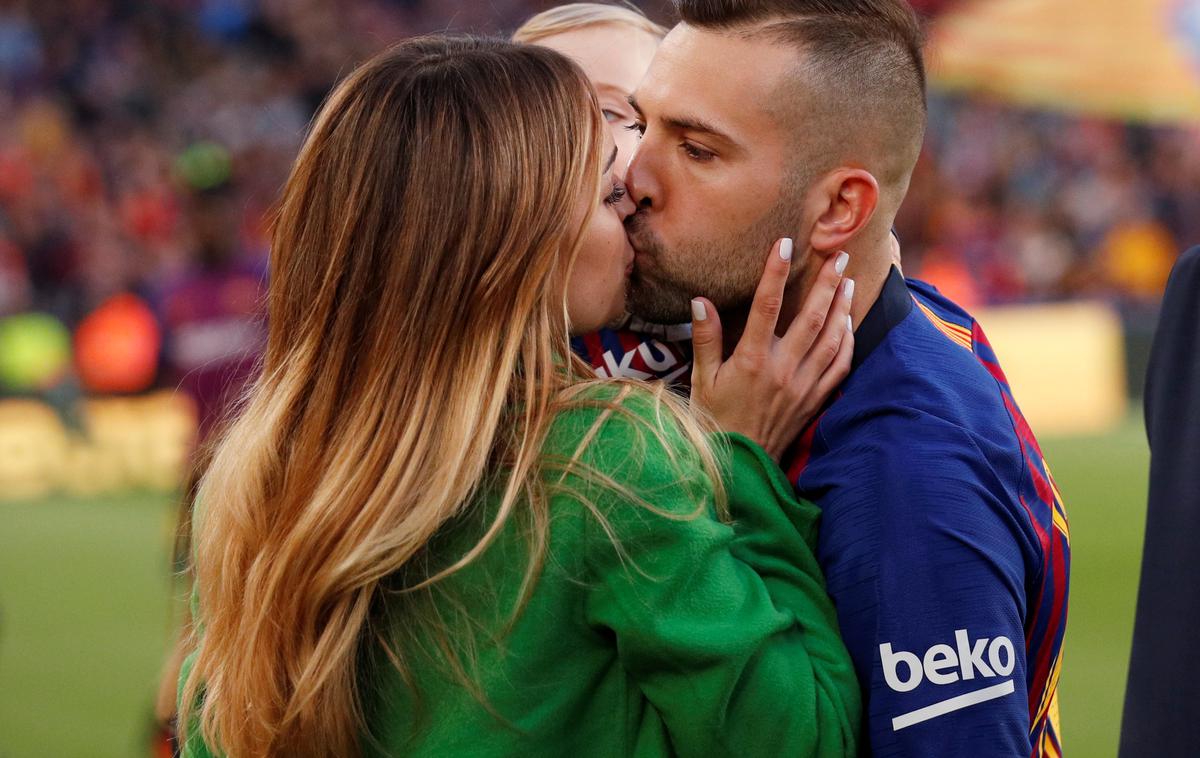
x: 428, y: 533
x: 613, y: 44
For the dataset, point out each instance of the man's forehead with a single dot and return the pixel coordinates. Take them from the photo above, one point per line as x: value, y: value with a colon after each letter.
x: 719, y: 77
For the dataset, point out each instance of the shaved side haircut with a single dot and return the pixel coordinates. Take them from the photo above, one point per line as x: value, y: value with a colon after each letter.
x: 858, y: 93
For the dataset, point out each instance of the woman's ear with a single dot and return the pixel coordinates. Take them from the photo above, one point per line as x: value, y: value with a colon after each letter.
x: 845, y: 201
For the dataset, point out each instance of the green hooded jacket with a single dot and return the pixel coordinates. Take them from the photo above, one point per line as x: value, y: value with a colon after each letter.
x: 650, y: 631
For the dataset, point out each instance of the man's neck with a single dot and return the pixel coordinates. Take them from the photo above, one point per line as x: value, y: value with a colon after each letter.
x: 869, y: 268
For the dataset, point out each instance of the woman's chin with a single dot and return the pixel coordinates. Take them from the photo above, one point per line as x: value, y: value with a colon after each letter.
x: 597, y: 318
x: 619, y: 312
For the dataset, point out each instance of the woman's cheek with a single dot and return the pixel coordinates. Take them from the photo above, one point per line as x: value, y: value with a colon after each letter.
x: 620, y: 281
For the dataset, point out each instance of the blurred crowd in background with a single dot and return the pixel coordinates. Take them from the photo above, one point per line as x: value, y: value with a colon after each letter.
x: 142, y: 145
x: 1014, y: 206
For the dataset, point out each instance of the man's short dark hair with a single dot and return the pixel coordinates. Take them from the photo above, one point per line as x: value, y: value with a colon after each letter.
x: 864, y: 56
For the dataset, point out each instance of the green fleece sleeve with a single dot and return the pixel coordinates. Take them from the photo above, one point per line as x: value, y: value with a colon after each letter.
x: 192, y: 743
x: 727, y: 631
x: 762, y: 505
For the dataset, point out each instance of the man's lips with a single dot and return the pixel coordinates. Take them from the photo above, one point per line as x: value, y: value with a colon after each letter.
x: 636, y: 233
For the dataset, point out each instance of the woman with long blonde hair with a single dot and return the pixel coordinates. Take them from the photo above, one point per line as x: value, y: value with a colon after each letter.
x: 428, y: 533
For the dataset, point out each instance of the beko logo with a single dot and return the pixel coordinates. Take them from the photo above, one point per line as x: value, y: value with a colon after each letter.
x: 943, y: 664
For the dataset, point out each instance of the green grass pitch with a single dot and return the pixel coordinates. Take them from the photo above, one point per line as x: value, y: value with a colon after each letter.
x: 84, y: 608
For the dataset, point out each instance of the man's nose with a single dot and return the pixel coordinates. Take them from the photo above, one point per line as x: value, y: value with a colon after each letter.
x: 626, y: 207
x: 640, y: 179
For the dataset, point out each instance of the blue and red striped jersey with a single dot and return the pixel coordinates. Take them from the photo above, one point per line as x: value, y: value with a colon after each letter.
x: 637, y: 350
x: 943, y: 537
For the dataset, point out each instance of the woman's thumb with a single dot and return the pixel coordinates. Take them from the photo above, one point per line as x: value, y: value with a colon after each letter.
x: 706, y: 342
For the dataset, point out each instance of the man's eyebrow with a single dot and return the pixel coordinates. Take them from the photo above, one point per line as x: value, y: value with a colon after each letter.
x: 611, y: 160
x: 687, y: 123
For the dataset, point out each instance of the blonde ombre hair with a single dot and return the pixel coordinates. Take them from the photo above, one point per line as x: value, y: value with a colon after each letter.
x: 566, y: 18
x: 415, y: 358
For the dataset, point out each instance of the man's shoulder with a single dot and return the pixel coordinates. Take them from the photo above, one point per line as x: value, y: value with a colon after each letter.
x: 915, y: 409
x: 917, y: 456
x: 924, y: 409
x: 928, y: 374
x: 930, y: 296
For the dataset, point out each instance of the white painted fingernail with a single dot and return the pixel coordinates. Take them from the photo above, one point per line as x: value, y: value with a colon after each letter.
x: 698, y: 311
x: 785, y: 249
x: 848, y: 289
x: 840, y: 264
x: 849, y: 324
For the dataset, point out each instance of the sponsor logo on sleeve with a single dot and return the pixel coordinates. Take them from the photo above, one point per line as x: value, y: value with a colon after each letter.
x: 983, y: 659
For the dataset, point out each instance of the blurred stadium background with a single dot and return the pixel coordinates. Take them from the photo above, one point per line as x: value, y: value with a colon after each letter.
x: 142, y: 144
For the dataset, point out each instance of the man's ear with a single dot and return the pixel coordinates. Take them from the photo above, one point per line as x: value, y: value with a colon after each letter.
x: 844, y: 201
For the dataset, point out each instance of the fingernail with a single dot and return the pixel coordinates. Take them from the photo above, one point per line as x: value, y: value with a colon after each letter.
x: 848, y: 289
x: 840, y: 264
x: 849, y: 324
x: 785, y: 249
x: 698, y: 311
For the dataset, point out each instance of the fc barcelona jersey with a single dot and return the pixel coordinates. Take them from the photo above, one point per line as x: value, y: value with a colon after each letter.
x: 944, y: 539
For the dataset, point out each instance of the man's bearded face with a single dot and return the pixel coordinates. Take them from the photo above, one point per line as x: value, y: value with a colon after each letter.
x: 724, y: 268
x: 714, y: 175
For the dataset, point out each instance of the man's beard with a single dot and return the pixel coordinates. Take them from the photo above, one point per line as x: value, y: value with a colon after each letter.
x: 726, y: 271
